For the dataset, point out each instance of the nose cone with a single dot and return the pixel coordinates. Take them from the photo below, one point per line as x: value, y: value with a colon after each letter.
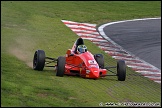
x: 94, y: 73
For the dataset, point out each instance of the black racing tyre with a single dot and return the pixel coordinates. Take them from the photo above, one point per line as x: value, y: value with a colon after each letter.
x: 39, y: 60
x: 100, y: 60
x: 121, y: 70
x: 60, y: 66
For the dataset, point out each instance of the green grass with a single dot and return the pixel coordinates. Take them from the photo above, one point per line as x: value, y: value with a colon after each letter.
x: 27, y: 26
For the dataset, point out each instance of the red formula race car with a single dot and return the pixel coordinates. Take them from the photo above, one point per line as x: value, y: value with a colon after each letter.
x: 79, y: 61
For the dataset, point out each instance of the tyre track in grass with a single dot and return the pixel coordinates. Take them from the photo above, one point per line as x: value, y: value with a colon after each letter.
x: 89, y: 32
x: 87, y: 89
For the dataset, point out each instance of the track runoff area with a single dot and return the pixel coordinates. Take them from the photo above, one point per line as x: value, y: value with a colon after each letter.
x: 88, y: 31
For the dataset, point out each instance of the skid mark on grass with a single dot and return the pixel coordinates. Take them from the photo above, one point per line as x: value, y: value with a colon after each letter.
x: 21, y: 55
x: 71, y: 98
x: 43, y: 95
x: 111, y: 92
x: 20, y: 48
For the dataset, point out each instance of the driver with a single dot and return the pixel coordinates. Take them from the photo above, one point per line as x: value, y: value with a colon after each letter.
x: 81, y: 49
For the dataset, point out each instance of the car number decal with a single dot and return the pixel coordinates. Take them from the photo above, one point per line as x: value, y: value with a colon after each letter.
x: 92, y: 62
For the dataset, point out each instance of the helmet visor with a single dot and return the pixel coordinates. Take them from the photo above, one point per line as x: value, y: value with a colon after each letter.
x: 81, y: 50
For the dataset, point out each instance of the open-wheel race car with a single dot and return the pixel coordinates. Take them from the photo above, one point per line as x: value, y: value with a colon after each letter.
x: 78, y: 61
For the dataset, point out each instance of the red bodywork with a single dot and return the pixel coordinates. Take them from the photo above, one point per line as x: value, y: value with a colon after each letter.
x: 83, y: 64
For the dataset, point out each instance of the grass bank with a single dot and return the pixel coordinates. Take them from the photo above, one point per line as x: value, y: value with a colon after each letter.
x: 30, y: 25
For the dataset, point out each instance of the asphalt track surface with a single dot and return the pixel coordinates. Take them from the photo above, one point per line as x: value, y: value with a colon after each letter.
x: 141, y: 38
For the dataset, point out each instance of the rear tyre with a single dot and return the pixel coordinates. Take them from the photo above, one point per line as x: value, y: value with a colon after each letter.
x: 100, y: 60
x: 121, y: 70
x: 60, y: 66
x: 39, y: 60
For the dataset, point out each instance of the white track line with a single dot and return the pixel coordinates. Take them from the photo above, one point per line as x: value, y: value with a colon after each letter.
x: 88, y: 31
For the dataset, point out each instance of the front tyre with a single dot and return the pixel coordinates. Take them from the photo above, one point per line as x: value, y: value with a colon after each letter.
x: 60, y: 66
x: 121, y: 70
x: 39, y: 60
x: 100, y: 60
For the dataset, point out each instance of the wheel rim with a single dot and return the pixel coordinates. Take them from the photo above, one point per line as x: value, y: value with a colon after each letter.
x: 35, y: 60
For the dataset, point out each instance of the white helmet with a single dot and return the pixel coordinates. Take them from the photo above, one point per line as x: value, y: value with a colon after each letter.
x: 81, y: 49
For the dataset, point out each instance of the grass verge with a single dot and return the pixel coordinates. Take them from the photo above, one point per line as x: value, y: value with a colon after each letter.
x: 30, y: 25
